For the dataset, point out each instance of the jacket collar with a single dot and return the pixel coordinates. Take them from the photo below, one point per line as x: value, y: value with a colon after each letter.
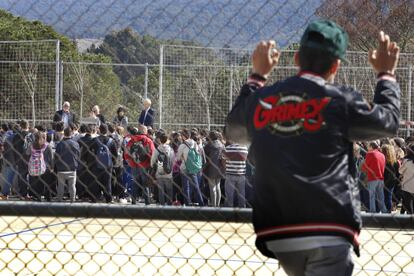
x: 312, y: 77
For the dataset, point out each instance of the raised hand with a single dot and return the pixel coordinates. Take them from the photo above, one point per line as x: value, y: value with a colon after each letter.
x: 384, y: 59
x: 265, y: 58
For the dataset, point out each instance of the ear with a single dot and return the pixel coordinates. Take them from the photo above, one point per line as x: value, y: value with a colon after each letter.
x: 296, y: 57
x: 335, y: 66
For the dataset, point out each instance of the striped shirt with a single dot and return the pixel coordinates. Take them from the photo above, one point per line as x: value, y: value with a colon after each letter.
x: 235, y: 156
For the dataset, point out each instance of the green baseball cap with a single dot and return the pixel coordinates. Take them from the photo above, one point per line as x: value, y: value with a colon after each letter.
x: 326, y: 35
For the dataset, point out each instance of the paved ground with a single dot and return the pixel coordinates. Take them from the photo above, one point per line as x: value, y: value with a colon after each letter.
x: 64, y: 246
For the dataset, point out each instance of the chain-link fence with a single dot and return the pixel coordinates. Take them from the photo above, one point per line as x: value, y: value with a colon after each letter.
x: 74, y: 200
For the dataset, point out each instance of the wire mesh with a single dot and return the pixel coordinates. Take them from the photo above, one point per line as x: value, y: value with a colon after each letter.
x: 98, y: 213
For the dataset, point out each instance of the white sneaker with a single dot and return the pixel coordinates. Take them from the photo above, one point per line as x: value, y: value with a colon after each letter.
x: 123, y: 201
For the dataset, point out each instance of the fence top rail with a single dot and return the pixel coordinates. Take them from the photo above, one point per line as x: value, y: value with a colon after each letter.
x: 110, y: 64
x: 27, y: 41
x: 97, y: 210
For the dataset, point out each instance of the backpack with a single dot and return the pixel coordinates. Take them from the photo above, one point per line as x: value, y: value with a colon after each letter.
x: 28, y: 141
x: 139, y: 152
x: 118, y: 144
x: 37, y: 164
x: 194, y: 162
x: 103, y: 154
x: 164, y: 163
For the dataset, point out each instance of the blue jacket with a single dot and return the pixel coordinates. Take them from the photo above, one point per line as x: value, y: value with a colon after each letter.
x: 67, y: 155
x: 301, y: 132
x: 149, y: 119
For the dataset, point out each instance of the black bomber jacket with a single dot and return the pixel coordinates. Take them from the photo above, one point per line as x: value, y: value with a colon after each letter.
x: 300, y: 132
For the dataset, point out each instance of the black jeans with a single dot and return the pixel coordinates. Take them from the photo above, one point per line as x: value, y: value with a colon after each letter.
x: 103, y: 184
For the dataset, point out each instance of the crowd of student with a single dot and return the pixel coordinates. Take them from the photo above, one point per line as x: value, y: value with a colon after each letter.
x: 116, y: 162
x: 385, y: 173
x: 113, y: 162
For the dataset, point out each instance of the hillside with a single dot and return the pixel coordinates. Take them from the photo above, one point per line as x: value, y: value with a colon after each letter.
x: 210, y: 22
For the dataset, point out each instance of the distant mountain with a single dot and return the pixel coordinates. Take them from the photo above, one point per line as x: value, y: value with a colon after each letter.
x: 238, y: 23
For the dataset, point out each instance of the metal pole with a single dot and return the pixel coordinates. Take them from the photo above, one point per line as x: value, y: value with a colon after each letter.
x: 231, y: 88
x: 146, y: 82
x: 161, y: 82
x: 409, y: 95
x: 61, y: 84
x: 57, y: 83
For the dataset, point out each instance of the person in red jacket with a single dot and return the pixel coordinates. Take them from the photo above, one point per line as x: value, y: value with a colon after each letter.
x: 374, y: 167
x: 139, y: 152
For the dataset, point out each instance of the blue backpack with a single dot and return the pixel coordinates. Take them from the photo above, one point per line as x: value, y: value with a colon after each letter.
x: 103, y: 154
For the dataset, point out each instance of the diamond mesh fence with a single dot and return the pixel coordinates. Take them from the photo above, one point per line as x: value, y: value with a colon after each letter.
x: 73, y: 99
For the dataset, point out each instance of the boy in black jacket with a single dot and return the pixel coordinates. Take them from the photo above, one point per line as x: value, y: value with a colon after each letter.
x: 67, y: 162
x: 306, y: 210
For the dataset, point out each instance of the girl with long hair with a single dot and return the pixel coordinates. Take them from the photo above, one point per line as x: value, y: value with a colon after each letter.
x: 391, y: 174
x: 40, y: 167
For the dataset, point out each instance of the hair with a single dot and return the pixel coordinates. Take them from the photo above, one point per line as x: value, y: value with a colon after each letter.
x: 147, y: 101
x: 150, y: 132
x: 39, y: 139
x: 389, y: 152
x: 373, y: 144
x: 315, y: 60
x: 142, y: 129
x: 204, y: 132
x: 74, y: 126
x: 103, y: 129
x: 88, y: 129
x: 399, y: 142
x: 120, y: 130
x: 82, y: 128
x: 66, y: 104
x: 4, y: 127
x: 40, y: 128
x: 176, y: 140
x: 120, y: 109
x: 410, y: 152
x: 96, y: 108
x: 111, y: 128
x: 185, y: 133
x: 67, y: 132
x: 213, y: 135
x: 163, y: 138
x: 400, y: 153
x: 195, y: 136
x: 59, y: 126
x: 24, y: 124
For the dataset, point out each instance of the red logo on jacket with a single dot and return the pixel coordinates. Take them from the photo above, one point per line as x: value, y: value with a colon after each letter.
x: 290, y: 114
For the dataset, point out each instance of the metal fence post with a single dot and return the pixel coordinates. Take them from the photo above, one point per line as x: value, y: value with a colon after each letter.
x: 61, y: 83
x: 146, y: 82
x: 57, y: 83
x: 231, y: 88
x: 409, y: 100
x: 160, y: 82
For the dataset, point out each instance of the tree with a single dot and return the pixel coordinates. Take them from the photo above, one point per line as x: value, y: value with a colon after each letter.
x: 363, y: 19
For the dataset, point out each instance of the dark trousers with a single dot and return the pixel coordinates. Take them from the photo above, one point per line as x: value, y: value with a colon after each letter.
x: 191, y: 186
x: 102, y: 184
x: 118, y: 188
x: 177, y: 190
x: 140, y: 184
x: 388, y: 194
x: 38, y: 184
x: 22, y: 184
x: 85, y: 184
x: 408, y: 202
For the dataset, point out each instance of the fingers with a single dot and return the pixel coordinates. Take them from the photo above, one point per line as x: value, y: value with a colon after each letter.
x: 394, y: 49
x: 384, y: 42
x: 372, y: 56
